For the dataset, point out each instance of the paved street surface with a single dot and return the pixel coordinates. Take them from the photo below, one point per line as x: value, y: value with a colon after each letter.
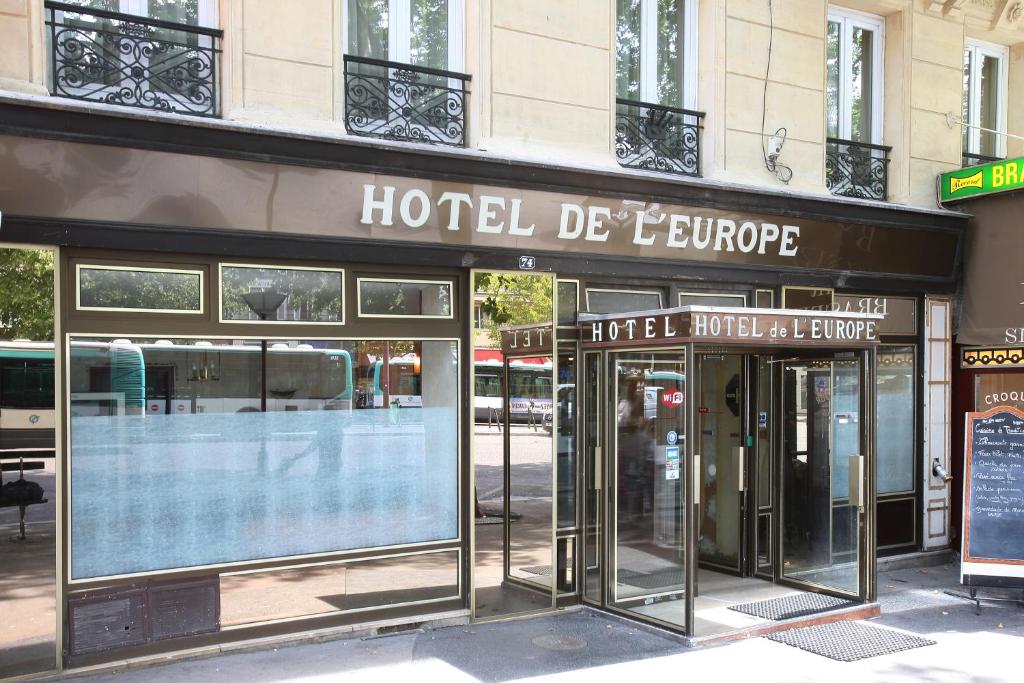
x: 590, y: 646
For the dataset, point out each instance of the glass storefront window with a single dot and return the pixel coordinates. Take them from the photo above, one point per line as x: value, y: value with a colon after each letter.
x: 281, y: 294
x: 712, y: 299
x: 601, y: 301
x: 116, y: 288
x: 338, y: 587
x: 404, y: 298
x: 894, y: 407
x: 190, y: 453
x: 568, y: 302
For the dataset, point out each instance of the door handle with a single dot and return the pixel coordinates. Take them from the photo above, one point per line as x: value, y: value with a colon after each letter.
x: 598, y: 467
x: 739, y: 453
x: 696, y: 479
x: 856, y: 481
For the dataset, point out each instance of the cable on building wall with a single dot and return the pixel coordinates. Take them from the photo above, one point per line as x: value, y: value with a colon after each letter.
x: 778, y: 138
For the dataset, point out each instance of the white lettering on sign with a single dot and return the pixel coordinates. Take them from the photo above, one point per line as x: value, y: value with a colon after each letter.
x: 515, y: 339
x: 1004, y: 397
x: 498, y: 215
x: 804, y: 328
x: 733, y: 326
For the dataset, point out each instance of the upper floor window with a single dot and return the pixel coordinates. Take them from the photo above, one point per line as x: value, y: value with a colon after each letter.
x: 402, y: 79
x: 656, y: 51
x: 853, y: 90
x: 418, y: 32
x: 856, y: 163
x: 984, y: 101
x: 188, y: 12
x: 149, y: 54
x: 656, y: 128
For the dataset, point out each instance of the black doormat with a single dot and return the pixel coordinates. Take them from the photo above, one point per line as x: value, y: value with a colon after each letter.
x: 664, y: 580
x: 848, y: 641
x: 792, y: 606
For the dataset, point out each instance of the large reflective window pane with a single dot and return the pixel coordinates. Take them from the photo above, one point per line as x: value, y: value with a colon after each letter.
x: 648, y: 570
x: 720, y: 428
x: 708, y: 299
x: 566, y: 408
x: 621, y: 301
x: 568, y: 302
x: 593, y: 475
x: 399, y: 298
x: 428, y: 33
x: 514, y: 563
x: 267, y: 595
x: 822, y: 433
x: 895, y: 404
x: 281, y: 294
x: 988, y: 105
x: 187, y: 453
x: 368, y: 28
x: 764, y: 417
x: 29, y: 469
x: 110, y: 288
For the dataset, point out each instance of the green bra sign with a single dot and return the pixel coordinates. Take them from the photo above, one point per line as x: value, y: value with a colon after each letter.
x: 997, y: 176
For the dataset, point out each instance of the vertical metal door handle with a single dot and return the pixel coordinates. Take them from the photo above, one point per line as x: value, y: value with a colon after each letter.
x: 739, y: 453
x: 598, y: 467
x: 856, y: 481
x: 696, y: 478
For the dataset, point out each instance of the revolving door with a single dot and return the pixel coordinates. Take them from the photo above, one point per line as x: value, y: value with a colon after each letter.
x: 718, y: 474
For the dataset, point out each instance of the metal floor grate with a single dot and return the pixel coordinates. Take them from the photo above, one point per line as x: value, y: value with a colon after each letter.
x: 792, y: 606
x: 848, y: 641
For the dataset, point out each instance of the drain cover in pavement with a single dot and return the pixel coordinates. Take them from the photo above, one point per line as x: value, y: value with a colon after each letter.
x: 559, y: 642
x: 792, y: 606
x: 539, y: 570
x: 848, y: 641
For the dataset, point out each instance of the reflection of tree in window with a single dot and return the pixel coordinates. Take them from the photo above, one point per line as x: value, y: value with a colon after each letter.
x: 312, y: 295
x: 101, y: 288
x: 668, y: 17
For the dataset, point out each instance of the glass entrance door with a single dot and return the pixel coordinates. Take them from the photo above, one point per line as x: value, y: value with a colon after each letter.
x: 721, y: 438
x: 644, y: 469
x: 824, y: 478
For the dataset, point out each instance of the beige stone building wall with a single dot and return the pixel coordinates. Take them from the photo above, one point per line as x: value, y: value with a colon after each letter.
x: 543, y: 78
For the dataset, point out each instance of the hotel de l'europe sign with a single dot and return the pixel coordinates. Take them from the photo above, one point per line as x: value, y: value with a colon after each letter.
x: 748, y: 327
x: 284, y: 199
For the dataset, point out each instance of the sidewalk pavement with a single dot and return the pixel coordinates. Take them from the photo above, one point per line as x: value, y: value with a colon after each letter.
x: 587, y: 645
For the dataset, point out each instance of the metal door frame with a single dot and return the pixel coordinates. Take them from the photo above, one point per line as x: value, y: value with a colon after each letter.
x: 866, y: 552
x: 744, y: 553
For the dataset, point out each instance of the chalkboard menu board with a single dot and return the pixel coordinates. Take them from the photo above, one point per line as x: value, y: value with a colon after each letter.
x: 993, y: 534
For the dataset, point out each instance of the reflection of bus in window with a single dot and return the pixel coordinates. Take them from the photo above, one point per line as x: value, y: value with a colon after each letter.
x: 162, y: 377
x: 404, y: 384
x: 26, y: 395
x: 529, y: 386
x: 488, y: 383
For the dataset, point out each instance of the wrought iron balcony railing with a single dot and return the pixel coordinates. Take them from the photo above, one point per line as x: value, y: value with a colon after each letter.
x: 857, y: 169
x: 399, y: 101
x: 658, y: 138
x: 972, y: 159
x: 117, y: 58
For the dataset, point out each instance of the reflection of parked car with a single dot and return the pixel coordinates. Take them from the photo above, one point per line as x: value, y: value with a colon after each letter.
x: 846, y: 418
